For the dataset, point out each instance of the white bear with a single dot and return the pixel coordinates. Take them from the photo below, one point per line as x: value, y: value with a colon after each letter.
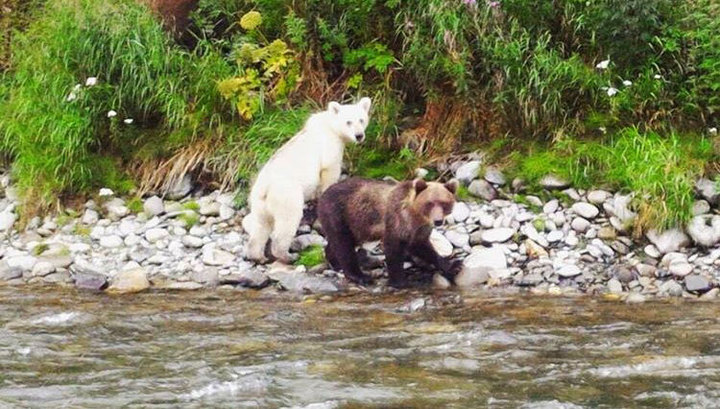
x: 299, y: 171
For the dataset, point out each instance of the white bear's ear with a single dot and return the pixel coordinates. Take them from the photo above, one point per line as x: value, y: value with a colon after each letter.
x: 365, y: 104
x: 334, y: 107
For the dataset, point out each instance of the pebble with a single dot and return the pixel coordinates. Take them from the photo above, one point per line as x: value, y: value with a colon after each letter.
x: 482, y: 189
x: 129, y: 281
x: 112, y: 241
x: 468, y: 171
x: 697, y: 283
x: 614, y: 286
x: 498, y: 235
x: 585, y: 210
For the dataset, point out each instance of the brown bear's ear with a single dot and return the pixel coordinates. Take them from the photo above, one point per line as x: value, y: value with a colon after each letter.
x: 452, y: 185
x: 334, y: 107
x: 419, y: 185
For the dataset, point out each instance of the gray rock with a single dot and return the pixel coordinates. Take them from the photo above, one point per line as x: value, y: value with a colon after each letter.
x: 494, y: 176
x: 468, y: 171
x: 585, y: 210
x: 482, y: 189
x: 116, y: 209
x: 304, y: 241
x: 680, y: 268
x: 518, y: 185
x: 441, y: 244
x: 216, y: 257
x: 154, y: 206
x: 207, y: 276
x: 705, y: 230
x: 607, y: 233
x: 458, y: 239
x: 652, y: 251
x: 478, y: 265
x: 111, y: 241
x: 568, y: 270
x: 555, y: 236
x: 421, y: 173
x: 580, y: 225
x: 226, y: 212
x: 614, y: 286
x: 708, y: 190
x: 7, y: 220
x: 700, y: 207
x: 301, y: 282
x: 697, y: 284
x: 8, y: 273
x: 43, y: 268
x: 209, y: 209
x: 22, y: 262
x: 251, y: 278
x: 672, y: 288
x: 553, y: 182
x: 130, y: 281
x: 90, y: 281
x: 597, y: 196
x: 90, y: 217
x: 669, y: 240
x: 180, y: 189
x: 551, y: 206
x: 623, y: 273
x: 498, y: 235
x: 460, y: 212
x: 156, y: 234
x: 192, y: 241
x: 529, y: 280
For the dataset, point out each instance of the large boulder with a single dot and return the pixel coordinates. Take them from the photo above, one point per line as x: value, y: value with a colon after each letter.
x: 478, y: 266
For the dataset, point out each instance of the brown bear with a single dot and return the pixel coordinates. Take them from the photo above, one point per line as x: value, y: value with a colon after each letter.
x: 402, y: 215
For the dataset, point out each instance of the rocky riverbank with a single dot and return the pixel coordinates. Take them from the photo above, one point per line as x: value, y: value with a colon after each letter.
x: 571, y: 242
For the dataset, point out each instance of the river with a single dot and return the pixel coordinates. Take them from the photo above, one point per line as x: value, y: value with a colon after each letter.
x: 244, y: 349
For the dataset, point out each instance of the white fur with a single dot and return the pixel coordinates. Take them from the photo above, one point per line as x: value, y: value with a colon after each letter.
x: 299, y: 171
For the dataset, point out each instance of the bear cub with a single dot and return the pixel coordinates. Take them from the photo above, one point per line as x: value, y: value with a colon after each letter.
x: 402, y: 215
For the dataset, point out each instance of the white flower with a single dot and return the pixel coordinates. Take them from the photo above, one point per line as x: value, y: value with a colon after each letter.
x: 603, y: 64
x: 603, y: 129
x: 111, y: 113
x: 713, y: 131
x: 128, y: 121
x: 72, y: 96
x: 612, y: 91
x: 627, y: 83
x: 106, y: 192
x: 90, y: 81
x: 657, y: 76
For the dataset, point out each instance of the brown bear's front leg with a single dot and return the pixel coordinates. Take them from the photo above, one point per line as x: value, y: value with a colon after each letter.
x: 425, y: 251
x: 394, y: 257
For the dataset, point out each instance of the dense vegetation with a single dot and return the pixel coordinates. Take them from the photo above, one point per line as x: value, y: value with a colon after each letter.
x: 606, y: 93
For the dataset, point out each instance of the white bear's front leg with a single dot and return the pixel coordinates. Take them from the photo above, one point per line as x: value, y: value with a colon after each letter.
x: 328, y: 177
x: 259, y: 231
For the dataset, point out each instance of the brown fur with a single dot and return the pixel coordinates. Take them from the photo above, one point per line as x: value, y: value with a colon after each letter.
x: 175, y: 14
x: 402, y: 215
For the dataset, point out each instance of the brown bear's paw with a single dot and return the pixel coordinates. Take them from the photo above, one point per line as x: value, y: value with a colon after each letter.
x: 360, y: 279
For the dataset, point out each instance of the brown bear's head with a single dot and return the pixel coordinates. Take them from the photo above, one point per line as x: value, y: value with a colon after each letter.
x: 434, y: 201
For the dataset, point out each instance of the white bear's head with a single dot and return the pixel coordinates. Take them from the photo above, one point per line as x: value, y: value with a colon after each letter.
x: 350, y: 120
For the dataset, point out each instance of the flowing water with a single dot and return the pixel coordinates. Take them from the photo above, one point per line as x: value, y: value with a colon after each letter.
x: 248, y: 350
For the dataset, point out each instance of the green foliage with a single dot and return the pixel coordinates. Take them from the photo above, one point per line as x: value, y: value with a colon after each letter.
x: 39, y: 249
x: 59, y: 133
x: 378, y: 163
x: 311, y: 256
x: 191, y: 205
x: 661, y: 171
x: 135, y: 205
x: 189, y: 219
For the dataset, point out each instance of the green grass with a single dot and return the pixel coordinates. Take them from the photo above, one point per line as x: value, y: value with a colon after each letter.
x: 311, y: 256
x: 69, y: 146
x: 660, y: 170
x: 81, y: 230
x: 39, y: 249
x: 135, y: 205
x: 189, y: 219
x: 191, y: 205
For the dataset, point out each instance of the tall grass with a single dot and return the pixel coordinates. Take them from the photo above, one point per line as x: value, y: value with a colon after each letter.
x: 64, y: 144
x: 660, y: 170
